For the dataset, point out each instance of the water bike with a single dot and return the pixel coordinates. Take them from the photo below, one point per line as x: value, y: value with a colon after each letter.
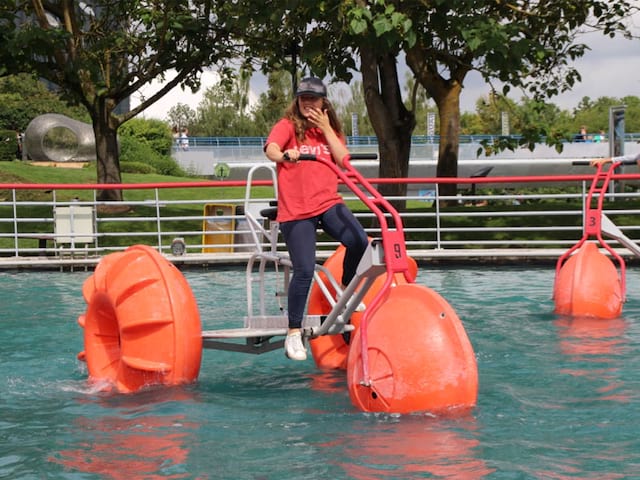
x: 402, y: 345
x: 587, y: 282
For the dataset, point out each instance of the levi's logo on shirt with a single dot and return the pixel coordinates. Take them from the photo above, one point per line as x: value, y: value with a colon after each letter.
x: 315, y: 149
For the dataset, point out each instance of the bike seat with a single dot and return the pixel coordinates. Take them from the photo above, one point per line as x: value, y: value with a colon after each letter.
x: 272, y: 212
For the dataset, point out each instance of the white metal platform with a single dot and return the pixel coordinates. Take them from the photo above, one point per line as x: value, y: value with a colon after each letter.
x: 259, y: 333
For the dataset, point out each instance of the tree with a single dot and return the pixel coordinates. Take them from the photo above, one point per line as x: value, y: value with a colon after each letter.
x: 224, y: 108
x: 546, y: 117
x: 520, y: 44
x: 355, y: 104
x: 100, y: 52
x: 392, y: 121
x: 272, y: 104
x: 490, y: 110
x: 318, y: 36
x: 422, y: 104
x: 23, y: 97
x: 632, y: 112
x: 152, y: 132
x: 181, y: 115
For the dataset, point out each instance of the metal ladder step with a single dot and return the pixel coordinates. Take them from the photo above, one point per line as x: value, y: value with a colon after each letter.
x: 244, y: 333
x: 270, y: 326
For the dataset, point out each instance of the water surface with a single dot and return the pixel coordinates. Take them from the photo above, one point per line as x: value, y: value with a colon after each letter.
x: 558, y: 398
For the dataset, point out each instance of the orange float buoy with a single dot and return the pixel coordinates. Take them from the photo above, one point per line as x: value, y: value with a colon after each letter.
x: 330, y: 351
x: 419, y: 356
x: 142, y: 324
x: 588, y: 284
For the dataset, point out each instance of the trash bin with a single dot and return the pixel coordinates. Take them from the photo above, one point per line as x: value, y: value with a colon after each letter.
x: 483, y: 172
x: 218, y: 228
x: 243, y: 239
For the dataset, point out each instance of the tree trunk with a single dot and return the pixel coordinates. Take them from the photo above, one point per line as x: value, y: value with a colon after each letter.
x: 390, y: 119
x: 449, y: 114
x: 107, y: 152
x: 446, y: 94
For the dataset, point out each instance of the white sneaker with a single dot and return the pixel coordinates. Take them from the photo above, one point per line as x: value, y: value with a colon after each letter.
x: 293, y: 347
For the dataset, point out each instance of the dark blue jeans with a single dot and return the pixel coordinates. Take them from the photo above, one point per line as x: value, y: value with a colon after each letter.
x: 300, y: 237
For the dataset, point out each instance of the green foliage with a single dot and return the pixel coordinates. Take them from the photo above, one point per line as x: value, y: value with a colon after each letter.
x: 524, y: 115
x: 104, y: 52
x: 8, y: 145
x: 23, y: 97
x: 224, y: 108
x: 152, y: 132
x: 166, y: 165
x: 134, y: 151
x: 271, y: 104
x: 531, y: 46
x: 180, y: 116
x: 136, y: 167
x: 354, y: 105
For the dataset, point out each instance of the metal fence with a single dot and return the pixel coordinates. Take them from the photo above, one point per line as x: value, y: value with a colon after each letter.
x: 504, y: 215
x: 358, y: 140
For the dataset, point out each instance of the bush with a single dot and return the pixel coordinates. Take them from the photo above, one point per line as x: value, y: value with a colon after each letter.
x: 166, y: 165
x: 154, y: 133
x: 8, y: 145
x: 136, y: 167
x: 134, y: 151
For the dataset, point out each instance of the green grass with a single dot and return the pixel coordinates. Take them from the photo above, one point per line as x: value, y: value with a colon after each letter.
x: 22, y: 172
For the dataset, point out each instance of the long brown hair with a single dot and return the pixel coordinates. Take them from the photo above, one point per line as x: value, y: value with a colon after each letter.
x: 301, y: 124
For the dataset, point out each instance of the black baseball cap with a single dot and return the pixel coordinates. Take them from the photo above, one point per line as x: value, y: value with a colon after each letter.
x: 311, y: 86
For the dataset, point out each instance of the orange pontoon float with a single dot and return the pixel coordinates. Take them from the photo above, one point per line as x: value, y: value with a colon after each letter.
x: 408, y: 350
x: 142, y: 325
x: 330, y: 351
x: 587, y: 283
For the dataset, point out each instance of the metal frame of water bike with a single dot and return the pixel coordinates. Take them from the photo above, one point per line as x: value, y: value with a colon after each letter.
x: 384, y: 254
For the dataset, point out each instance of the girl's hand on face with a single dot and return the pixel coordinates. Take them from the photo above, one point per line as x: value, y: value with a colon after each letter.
x: 319, y: 118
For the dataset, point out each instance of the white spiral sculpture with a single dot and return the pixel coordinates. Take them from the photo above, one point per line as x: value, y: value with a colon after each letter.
x: 57, y: 138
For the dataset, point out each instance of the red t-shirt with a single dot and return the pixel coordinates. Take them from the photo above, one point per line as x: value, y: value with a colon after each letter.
x: 306, y: 188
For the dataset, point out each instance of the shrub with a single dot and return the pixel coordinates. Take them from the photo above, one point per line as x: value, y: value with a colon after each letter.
x: 8, y: 145
x: 166, y: 165
x: 136, y: 167
x: 154, y: 133
x: 135, y: 151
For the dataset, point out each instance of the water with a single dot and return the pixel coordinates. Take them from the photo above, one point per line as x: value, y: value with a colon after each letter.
x: 557, y: 399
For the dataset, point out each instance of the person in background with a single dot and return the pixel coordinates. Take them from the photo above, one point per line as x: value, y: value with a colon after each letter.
x: 308, y: 196
x: 599, y: 137
x: 175, y: 133
x: 184, y: 139
x: 582, y: 136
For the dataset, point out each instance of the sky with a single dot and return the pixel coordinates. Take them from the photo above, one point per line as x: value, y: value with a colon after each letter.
x: 611, y: 68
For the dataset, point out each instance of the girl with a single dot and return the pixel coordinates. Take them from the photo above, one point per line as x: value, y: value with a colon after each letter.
x: 308, y: 196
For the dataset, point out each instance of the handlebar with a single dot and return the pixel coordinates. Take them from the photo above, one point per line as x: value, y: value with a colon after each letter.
x: 613, y: 161
x: 352, y: 156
